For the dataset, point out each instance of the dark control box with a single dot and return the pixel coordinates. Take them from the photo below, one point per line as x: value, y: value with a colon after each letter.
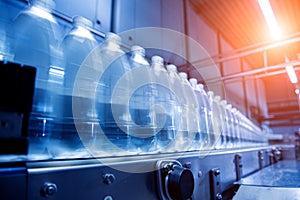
x: 16, y: 89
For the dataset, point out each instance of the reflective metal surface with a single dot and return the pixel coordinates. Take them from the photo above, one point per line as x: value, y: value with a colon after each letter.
x: 262, y: 193
x: 282, y: 174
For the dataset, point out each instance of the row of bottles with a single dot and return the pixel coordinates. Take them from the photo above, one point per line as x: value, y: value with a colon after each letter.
x: 95, y: 96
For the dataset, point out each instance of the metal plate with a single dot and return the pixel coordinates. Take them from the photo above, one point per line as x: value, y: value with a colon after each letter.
x: 262, y: 193
x: 285, y: 173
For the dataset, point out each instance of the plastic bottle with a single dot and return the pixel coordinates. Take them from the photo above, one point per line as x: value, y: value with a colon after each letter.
x: 35, y: 42
x: 179, y: 83
x: 230, y: 126
x: 164, y: 111
x: 141, y: 103
x: 201, y: 123
x: 142, y: 98
x: 181, y: 109
x: 217, y: 139
x: 76, y: 45
x: 193, y: 137
x: 5, y: 54
x: 245, y: 133
x: 242, y: 129
x: 112, y: 112
x: 36, y: 36
x: 207, y: 112
x: 224, y: 122
x: 237, y: 139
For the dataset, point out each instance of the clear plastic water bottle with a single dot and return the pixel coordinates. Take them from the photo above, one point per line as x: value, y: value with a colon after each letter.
x: 188, y: 131
x: 142, y: 97
x: 193, y: 131
x: 181, y: 142
x: 76, y: 45
x: 237, y: 139
x: 35, y: 37
x: 242, y: 128
x: 231, y: 128
x: 164, y: 111
x: 224, y: 121
x: 254, y: 130
x: 251, y: 135
x: 216, y: 139
x: 112, y: 112
x: 5, y: 54
x: 206, y: 113
x: 201, y: 123
x: 142, y: 101
x: 35, y: 41
x: 245, y: 131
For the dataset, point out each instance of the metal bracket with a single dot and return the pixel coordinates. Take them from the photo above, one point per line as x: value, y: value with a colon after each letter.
x: 277, y: 155
x: 260, y: 159
x: 271, y: 157
x: 215, y: 184
x: 238, y: 166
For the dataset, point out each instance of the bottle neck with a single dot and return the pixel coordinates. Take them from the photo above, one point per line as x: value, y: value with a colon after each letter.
x: 112, y: 45
x: 139, y: 58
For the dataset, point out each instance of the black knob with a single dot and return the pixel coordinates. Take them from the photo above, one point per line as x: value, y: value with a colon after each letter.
x: 180, y: 183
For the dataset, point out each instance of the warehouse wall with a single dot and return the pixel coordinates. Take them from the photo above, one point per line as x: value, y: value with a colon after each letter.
x: 248, y: 95
x: 132, y: 15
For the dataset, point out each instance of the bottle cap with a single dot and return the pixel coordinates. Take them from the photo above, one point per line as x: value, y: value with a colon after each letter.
x: 157, y: 59
x: 46, y: 4
x: 172, y: 68
x: 82, y: 21
x: 113, y: 37
x: 210, y: 93
x: 201, y: 86
x: 229, y: 106
x: 223, y: 102
x: 217, y: 98
x: 183, y: 75
x: 138, y: 49
x: 193, y: 82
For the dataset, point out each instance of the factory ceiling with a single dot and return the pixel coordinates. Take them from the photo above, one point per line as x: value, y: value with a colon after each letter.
x: 242, y: 24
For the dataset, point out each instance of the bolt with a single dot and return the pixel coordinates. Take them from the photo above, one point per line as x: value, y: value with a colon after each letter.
x: 108, y: 198
x: 187, y: 165
x: 48, y: 189
x: 199, y: 173
x: 166, y: 167
x: 219, y: 196
x: 108, y: 179
x: 217, y: 172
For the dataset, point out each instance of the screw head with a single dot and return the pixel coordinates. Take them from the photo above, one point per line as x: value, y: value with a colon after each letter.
x: 217, y: 172
x: 48, y: 189
x: 108, y: 198
x: 109, y: 179
x: 200, y: 174
x: 187, y: 165
x: 219, y: 196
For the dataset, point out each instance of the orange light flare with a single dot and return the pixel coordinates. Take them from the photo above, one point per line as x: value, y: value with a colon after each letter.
x: 270, y: 19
